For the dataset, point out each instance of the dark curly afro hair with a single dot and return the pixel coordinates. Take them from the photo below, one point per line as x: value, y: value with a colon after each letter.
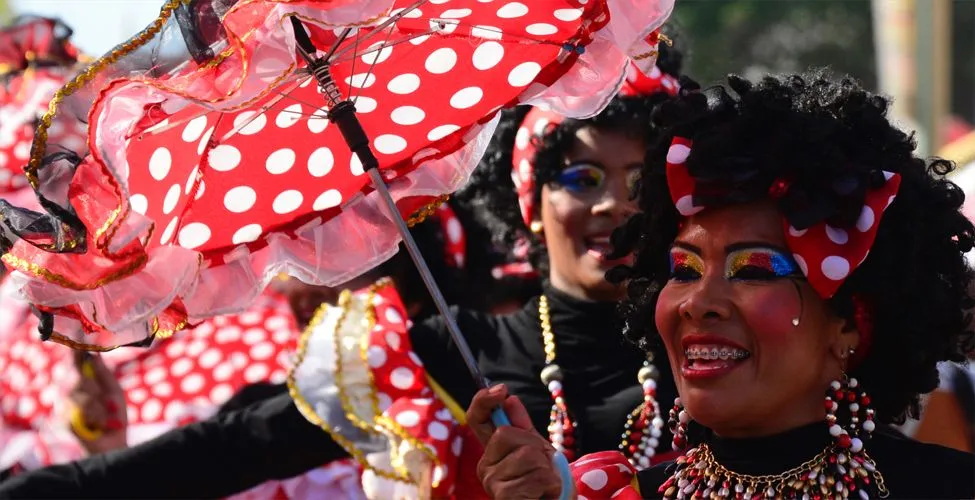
x: 491, y: 192
x: 817, y: 131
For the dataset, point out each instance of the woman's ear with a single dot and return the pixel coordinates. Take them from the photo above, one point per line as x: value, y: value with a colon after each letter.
x: 844, y: 339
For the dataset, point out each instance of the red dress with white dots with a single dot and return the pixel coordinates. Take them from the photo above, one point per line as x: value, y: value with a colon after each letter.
x: 178, y: 380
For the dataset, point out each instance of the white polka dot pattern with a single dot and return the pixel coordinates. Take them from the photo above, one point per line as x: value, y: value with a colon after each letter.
x: 161, y: 383
x: 20, y: 109
x: 296, y: 164
x: 604, y: 475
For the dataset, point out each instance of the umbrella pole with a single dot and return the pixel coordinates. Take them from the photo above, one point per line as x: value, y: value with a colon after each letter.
x: 342, y: 113
x: 498, y: 416
x: 421, y: 265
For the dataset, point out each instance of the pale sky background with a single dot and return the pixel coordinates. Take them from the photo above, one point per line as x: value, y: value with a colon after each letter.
x: 98, y: 25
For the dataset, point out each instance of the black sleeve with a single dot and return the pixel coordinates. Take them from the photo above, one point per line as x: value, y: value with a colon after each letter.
x: 441, y: 359
x: 226, y: 454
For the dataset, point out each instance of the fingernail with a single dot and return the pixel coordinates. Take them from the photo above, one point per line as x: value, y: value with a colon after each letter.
x: 113, y: 424
x: 498, y: 389
x: 111, y: 406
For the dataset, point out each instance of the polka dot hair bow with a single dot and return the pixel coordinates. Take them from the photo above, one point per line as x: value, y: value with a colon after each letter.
x: 827, y: 255
x: 538, y: 123
x: 454, y: 238
x: 604, y: 475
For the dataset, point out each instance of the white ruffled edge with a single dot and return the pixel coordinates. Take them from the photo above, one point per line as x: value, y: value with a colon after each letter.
x: 356, y: 240
x: 392, y: 467
x: 600, y: 72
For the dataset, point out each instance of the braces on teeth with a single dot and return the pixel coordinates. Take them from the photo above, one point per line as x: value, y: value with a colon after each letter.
x: 715, y: 353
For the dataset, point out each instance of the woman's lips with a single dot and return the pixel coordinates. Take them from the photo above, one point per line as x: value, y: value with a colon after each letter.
x: 600, y: 248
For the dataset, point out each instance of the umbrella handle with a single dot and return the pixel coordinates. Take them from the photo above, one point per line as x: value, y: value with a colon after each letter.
x: 559, y: 461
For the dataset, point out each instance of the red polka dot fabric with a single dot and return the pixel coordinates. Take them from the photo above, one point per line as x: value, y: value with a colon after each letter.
x: 604, y: 475
x: 405, y: 394
x: 410, y: 412
x: 37, y: 60
x: 455, y: 240
x: 191, y: 374
x: 178, y: 380
x: 30, y: 372
x: 219, y: 175
x: 215, y: 180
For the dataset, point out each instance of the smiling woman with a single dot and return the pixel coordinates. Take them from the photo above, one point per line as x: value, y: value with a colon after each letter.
x: 805, y: 273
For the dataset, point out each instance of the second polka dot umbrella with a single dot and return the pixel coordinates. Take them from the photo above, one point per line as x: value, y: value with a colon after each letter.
x: 225, y: 162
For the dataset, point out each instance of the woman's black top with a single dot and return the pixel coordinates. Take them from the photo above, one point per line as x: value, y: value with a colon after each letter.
x: 235, y: 451
x: 910, y: 469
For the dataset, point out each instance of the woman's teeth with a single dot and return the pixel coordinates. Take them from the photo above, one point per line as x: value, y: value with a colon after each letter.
x: 715, y: 352
x: 600, y: 244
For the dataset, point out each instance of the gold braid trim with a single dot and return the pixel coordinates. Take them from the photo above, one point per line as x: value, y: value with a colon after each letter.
x: 427, y: 210
x: 33, y: 269
x: 382, y: 420
x: 165, y: 334
x: 80, y: 346
x: 645, y: 55
x: 345, y: 304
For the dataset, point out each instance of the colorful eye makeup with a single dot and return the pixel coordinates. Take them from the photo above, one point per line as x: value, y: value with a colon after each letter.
x: 684, y: 265
x: 582, y: 177
x: 747, y: 264
x: 759, y: 264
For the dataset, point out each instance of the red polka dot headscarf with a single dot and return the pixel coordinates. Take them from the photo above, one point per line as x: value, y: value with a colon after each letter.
x: 538, y: 123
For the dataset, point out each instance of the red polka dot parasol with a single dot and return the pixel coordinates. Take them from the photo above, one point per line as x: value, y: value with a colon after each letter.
x: 291, y: 137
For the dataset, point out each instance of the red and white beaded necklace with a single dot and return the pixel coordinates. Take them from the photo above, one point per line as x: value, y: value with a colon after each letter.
x: 643, y: 428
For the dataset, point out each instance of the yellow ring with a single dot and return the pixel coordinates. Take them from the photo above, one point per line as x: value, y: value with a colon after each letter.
x: 78, y: 425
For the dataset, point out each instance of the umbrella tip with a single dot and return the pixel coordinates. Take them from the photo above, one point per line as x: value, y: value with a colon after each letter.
x: 301, y: 36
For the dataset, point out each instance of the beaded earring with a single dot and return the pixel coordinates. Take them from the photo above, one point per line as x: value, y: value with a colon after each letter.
x: 641, y: 434
x: 849, y: 435
x: 677, y: 422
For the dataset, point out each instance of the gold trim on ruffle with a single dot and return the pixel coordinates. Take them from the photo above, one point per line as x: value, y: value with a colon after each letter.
x: 80, y: 346
x: 645, y: 55
x: 396, y: 460
x: 33, y: 269
x: 345, y: 304
x: 382, y: 420
x: 39, y: 146
x: 427, y: 210
x: 309, y: 412
x: 105, y: 234
x: 165, y: 334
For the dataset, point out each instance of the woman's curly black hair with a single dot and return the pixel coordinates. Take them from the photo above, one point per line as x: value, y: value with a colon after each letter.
x: 491, y: 192
x: 818, y: 132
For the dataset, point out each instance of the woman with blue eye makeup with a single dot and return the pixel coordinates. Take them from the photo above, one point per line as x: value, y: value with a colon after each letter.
x: 553, y: 190
x: 805, y: 273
